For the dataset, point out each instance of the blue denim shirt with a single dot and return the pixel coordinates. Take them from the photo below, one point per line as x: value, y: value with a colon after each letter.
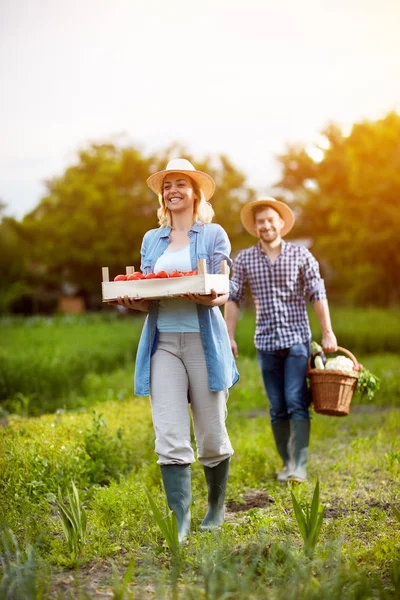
x: 208, y: 241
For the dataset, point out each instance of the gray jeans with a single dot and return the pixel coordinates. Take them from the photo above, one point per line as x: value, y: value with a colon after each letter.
x: 178, y: 368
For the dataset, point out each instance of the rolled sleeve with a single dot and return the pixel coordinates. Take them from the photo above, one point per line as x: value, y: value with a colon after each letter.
x: 222, y: 250
x: 238, y: 281
x: 314, y: 286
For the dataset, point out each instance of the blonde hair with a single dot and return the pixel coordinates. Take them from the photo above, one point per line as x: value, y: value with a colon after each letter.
x: 203, y: 212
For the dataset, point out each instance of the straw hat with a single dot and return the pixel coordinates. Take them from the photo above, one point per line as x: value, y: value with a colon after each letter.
x: 247, y: 214
x: 181, y: 165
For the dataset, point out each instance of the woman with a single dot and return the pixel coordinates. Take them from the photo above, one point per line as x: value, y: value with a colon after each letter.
x: 184, y: 351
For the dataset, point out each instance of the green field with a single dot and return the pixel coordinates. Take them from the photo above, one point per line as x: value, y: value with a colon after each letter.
x: 45, y: 363
x: 106, y: 446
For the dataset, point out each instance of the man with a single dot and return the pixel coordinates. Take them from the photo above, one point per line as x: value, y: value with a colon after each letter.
x: 281, y: 276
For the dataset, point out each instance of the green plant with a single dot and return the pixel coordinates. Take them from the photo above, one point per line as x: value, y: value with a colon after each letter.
x: 367, y: 384
x: 396, y: 513
x: 309, y: 520
x: 73, y: 520
x: 167, y: 525
x: 19, y: 570
x: 119, y: 587
x: 107, y: 454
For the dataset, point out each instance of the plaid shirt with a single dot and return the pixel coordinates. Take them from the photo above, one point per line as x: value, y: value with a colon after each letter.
x: 279, y: 291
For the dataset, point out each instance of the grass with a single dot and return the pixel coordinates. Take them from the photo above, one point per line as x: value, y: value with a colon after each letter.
x: 106, y: 446
x: 52, y: 363
x: 45, y: 362
x: 362, y: 331
x: 259, y: 550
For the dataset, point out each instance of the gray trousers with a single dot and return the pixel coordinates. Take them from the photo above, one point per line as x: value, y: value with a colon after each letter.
x: 178, y: 368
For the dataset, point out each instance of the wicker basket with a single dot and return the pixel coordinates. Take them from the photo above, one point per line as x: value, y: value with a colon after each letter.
x: 332, y: 391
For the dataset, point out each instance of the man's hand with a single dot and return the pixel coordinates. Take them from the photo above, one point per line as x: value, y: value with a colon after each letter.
x: 329, y: 343
x: 234, y: 347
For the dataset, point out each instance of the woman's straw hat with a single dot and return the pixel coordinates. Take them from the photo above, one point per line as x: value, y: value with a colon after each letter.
x: 247, y: 214
x: 181, y: 165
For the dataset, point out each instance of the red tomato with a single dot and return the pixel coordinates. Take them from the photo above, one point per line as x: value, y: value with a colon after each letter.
x: 120, y: 278
x: 176, y: 274
x: 162, y: 275
x: 150, y: 276
x: 135, y: 276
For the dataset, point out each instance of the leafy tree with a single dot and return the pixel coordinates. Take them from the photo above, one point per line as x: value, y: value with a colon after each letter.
x: 14, y: 282
x: 347, y: 201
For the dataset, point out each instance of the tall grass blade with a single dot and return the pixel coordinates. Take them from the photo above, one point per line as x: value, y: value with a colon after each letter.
x: 314, y: 506
x: 300, y: 517
x: 167, y: 525
x: 119, y: 587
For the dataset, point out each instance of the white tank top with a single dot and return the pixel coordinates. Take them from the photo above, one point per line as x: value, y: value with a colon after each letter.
x: 176, y: 314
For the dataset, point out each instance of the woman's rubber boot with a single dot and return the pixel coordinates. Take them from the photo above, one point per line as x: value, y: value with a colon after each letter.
x: 300, y: 430
x: 178, y: 489
x: 217, y: 479
x: 281, y: 431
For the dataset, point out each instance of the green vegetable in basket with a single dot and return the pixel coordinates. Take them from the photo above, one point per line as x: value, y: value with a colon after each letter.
x: 367, y: 383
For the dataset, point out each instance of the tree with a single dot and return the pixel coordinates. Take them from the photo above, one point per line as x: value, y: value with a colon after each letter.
x: 347, y: 201
x: 14, y: 280
x: 97, y: 212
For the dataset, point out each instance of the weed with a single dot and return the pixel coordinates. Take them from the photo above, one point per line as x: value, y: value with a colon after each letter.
x: 107, y: 454
x: 73, y: 520
x: 119, y: 587
x: 309, y: 520
x: 167, y: 525
x: 19, y: 570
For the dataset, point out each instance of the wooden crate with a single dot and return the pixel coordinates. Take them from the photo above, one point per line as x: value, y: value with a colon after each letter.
x: 172, y: 287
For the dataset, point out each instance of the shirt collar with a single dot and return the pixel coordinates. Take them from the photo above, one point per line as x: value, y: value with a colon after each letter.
x: 283, y: 247
x: 166, y: 231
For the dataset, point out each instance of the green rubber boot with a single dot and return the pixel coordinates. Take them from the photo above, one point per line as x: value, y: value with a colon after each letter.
x: 281, y: 431
x: 177, y: 485
x: 300, y: 431
x: 217, y: 478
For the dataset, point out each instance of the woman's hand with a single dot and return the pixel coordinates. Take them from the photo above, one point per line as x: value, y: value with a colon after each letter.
x: 134, y: 303
x: 211, y: 299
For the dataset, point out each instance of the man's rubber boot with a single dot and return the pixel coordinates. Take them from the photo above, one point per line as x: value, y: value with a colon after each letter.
x: 177, y: 485
x: 217, y: 478
x: 300, y: 431
x: 281, y: 431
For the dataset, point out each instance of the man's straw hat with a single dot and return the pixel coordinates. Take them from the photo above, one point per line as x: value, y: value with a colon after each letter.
x: 247, y: 214
x: 181, y: 165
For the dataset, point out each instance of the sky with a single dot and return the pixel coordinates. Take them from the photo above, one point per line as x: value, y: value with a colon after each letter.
x: 242, y: 78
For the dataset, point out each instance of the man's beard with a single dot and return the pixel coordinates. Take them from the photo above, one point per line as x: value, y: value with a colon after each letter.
x: 268, y: 235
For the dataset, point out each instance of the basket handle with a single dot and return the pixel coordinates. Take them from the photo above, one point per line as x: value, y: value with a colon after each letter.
x: 339, y: 349
x: 349, y: 354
